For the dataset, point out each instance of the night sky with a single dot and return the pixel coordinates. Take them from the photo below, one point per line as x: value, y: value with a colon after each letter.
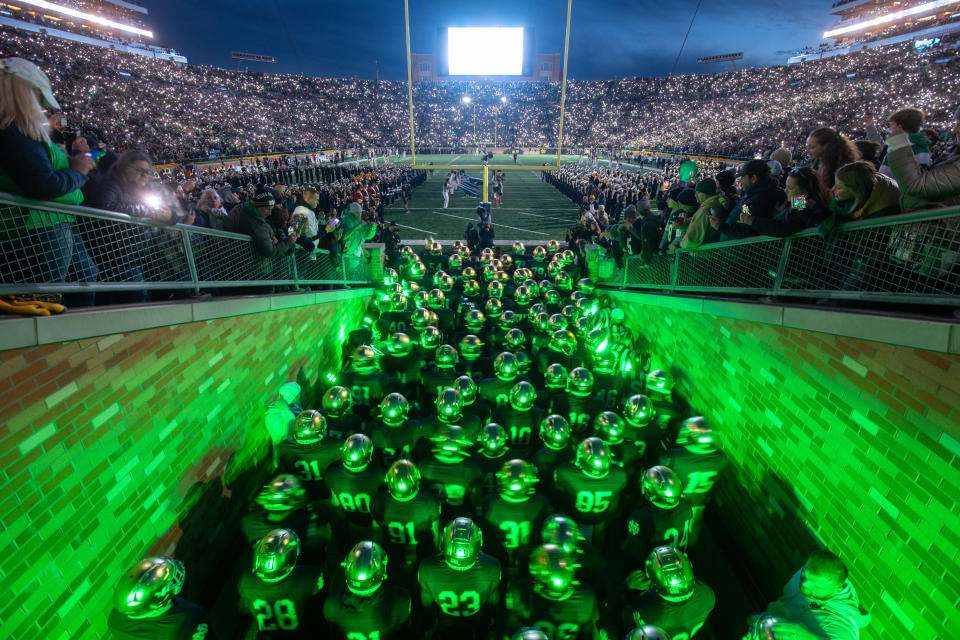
x: 609, y: 38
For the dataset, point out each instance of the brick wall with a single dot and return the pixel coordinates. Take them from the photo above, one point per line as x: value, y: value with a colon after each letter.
x: 835, y: 441
x: 114, y: 448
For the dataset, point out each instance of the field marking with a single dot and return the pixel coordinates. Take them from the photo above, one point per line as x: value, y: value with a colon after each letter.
x: 536, y: 215
x: 495, y: 224
x: 415, y: 229
x: 504, y: 209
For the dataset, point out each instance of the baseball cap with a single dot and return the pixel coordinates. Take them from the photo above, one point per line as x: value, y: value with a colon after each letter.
x: 754, y: 168
x: 26, y: 70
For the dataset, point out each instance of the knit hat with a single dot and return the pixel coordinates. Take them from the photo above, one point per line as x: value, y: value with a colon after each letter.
x: 775, y: 168
x: 707, y: 186
x: 263, y: 199
x: 782, y: 155
x: 674, y: 192
x: 687, y: 197
x: 725, y: 179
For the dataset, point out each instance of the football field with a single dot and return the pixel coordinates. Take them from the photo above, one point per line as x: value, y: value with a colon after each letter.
x: 532, y: 209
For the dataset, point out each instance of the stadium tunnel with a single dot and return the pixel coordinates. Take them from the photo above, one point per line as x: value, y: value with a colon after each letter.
x: 119, y: 426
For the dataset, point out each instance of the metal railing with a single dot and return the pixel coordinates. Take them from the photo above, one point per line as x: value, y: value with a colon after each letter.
x: 47, y: 247
x: 912, y: 257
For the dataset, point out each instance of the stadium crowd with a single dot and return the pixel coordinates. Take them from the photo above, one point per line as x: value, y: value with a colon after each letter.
x: 495, y: 459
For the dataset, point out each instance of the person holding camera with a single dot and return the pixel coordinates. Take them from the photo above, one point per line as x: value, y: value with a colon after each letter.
x: 806, y: 206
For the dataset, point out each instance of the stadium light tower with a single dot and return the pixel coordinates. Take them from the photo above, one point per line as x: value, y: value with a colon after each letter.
x: 496, y: 114
x: 468, y: 100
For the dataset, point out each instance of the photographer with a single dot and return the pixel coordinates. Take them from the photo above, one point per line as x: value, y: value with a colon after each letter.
x: 250, y: 218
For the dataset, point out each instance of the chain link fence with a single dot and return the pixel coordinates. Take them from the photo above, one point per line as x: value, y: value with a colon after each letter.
x: 912, y: 257
x: 51, y: 248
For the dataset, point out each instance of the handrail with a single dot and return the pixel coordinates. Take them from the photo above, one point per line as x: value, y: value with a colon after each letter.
x: 117, y: 252
x: 910, y: 257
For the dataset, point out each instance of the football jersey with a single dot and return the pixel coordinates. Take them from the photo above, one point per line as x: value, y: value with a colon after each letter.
x: 310, y: 462
x: 572, y: 617
x: 649, y: 527
x: 340, y: 428
x: 460, y: 593
x: 678, y: 619
x: 367, y: 389
x: 478, y: 368
x: 432, y: 382
x: 182, y: 621
x: 406, y: 369
x: 579, y: 411
x: 470, y: 424
x: 546, y: 460
x: 697, y: 471
x: 353, y: 492
x: 258, y: 523
x: 589, y: 500
x: 539, y: 268
x: 283, y: 608
x: 497, y: 391
x: 456, y: 484
x: 646, y: 444
x: 447, y: 319
x: 393, y: 443
x: 397, y: 321
x: 511, y: 523
x: 381, y: 616
x: 521, y: 427
x: 612, y: 389
x: 490, y: 466
x: 406, y: 524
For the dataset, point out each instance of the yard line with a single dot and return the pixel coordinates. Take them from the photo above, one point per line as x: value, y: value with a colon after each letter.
x: 495, y: 224
x: 536, y: 215
x: 414, y: 228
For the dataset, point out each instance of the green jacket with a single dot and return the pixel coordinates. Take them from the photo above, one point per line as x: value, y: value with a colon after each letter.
x: 37, y: 218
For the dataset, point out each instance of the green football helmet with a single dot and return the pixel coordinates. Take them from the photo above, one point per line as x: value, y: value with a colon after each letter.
x: 337, y: 401
x: 468, y: 273
x: 365, y: 568
x: 489, y: 273
x: 551, y: 297
x: 430, y: 337
x: 539, y: 253
x: 545, y: 285
x: 518, y: 248
x: 661, y: 487
x: 455, y: 261
x: 586, y: 286
x: 580, y: 382
x: 275, y: 555
x: 474, y: 320
x: 533, y: 310
x: 638, y: 410
x: 394, y: 409
x: 389, y: 276
x: 552, y: 571
x: 363, y: 359
x: 524, y: 362
x: 436, y: 299
x: 555, y: 432
x: 553, y: 268
x: 515, y: 340
x: 436, y: 248
x: 493, y: 440
x: 609, y: 427
x: 553, y: 246
x: 586, y: 307
x: 471, y: 287
x: 515, y: 480
x: 582, y: 326
x: 149, y: 586
x: 593, y: 458
x: 446, y: 356
x: 495, y: 289
x: 467, y: 388
x: 416, y: 269
x: 449, y: 405
x: 555, y: 377
x: 696, y: 436
x: 660, y: 382
x: 420, y: 299
x: 493, y: 307
x: 763, y: 627
x: 283, y: 493
x: 530, y: 633
x: 309, y: 427
x: 399, y: 345
x: 420, y: 318
x: 509, y: 319
x: 505, y: 366
x: 450, y: 444
x: 670, y: 573
x: 356, y: 452
x: 461, y: 543
x: 542, y: 322
x: 562, y: 531
x: 471, y: 346
x: 570, y: 313
x: 648, y: 632
x: 502, y: 276
x: 403, y: 480
x: 522, y: 295
x: 398, y: 302
x: 446, y: 283
x: 563, y: 341
x: 557, y: 322
x: 523, y: 396
x: 563, y: 280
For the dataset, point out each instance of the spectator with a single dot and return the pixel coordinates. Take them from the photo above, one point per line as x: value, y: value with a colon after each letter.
x: 860, y: 192
x: 699, y: 230
x: 487, y: 235
x: 250, y: 218
x: 306, y: 207
x: 938, y: 186
x: 34, y: 167
x: 829, y: 150
x: 355, y: 230
x: 908, y: 121
x: 761, y: 198
x: 209, y: 211
x: 648, y: 231
x: 869, y: 150
x: 472, y: 237
x: 819, y: 602
x: 806, y: 206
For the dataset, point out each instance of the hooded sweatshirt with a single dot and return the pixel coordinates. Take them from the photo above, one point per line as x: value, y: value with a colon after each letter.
x: 838, y: 618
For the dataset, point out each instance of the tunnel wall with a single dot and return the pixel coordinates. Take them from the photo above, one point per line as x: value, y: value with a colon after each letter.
x: 844, y: 432
x: 116, y: 429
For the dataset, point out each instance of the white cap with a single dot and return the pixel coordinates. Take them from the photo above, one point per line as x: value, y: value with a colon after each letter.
x: 31, y: 73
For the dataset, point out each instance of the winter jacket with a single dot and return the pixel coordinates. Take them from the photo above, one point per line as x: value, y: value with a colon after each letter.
x: 838, y: 618
x: 763, y: 201
x: 790, y: 221
x: 107, y: 194
x: 938, y: 186
x: 303, y: 209
x: 244, y: 218
x: 699, y: 230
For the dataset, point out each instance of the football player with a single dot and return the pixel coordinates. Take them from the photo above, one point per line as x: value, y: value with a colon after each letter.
x: 496, y: 391
x: 353, y: 483
x: 609, y: 427
x: 338, y: 408
x: 520, y: 417
x: 449, y: 411
x: 439, y: 375
x: 493, y: 447
x: 474, y: 363
x: 397, y: 318
x: 591, y: 487
x: 450, y: 473
x: 364, y: 607
x: 460, y: 583
x: 278, y: 592
x: 473, y: 405
x: 406, y: 514
x: 145, y: 604
x: 560, y: 349
x: 282, y: 503
x: 642, y: 431
x: 395, y: 435
x: 555, y: 434
x: 515, y: 510
x: 437, y: 302
x: 554, y: 384
x: 664, y: 519
x: 401, y: 360
x: 579, y: 404
x: 309, y: 453
x: 366, y: 384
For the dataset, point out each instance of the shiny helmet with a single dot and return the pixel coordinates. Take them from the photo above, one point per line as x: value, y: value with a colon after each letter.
x: 337, y: 401
x: 493, y: 307
x: 533, y: 310
x: 519, y: 275
x: 446, y: 283
x: 365, y: 568
x: 489, y: 273
x: 420, y: 299
x: 570, y: 313
x: 531, y: 284
x: 593, y: 457
x: 557, y: 322
x: 524, y: 362
x: 518, y: 248
x: 309, y: 427
x: 471, y: 346
x: 438, y: 276
x: 282, y: 493
x: 514, y: 339
x: 541, y: 322
x: 389, y: 276
x: 407, y: 252
x: 562, y: 531
x: 399, y: 345
x: 461, y: 542
x: 660, y: 381
x: 493, y: 440
x: 446, y: 356
x: 396, y: 287
x: 356, y: 452
x: 523, y: 396
x: 661, y: 487
x: 551, y: 297
x: 402, y: 480
x: 568, y: 256
x: 609, y: 427
x: 530, y: 633
x: 763, y: 627
x: 545, y: 285
x: 539, y: 253
x: 582, y: 326
x: 555, y: 432
x: 596, y: 340
x: 497, y: 265
x: 471, y: 287
x: 522, y: 295
x: 275, y: 555
x: 580, y: 381
x: 638, y: 410
x: 552, y: 570
x: 696, y: 436
x: 413, y: 288
x: 586, y: 307
x: 430, y: 337
x: 363, y: 359
x: 563, y: 280
x: 455, y: 261
x: 474, y: 319
x: 416, y: 269
x: 436, y: 248
x: 506, y: 262
x: 398, y: 302
x: 149, y: 586
x: 449, y: 405
x: 555, y: 377
x: 468, y: 273
x: 420, y: 318
x: 553, y: 268
x: 394, y: 409
x: 495, y: 289
x: 450, y: 444
x: 553, y: 246
x: 586, y: 286
x: 458, y: 245
x: 503, y: 277
x: 505, y: 366
x: 515, y: 480
x: 509, y: 319
x: 670, y: 573
x: 647, y: 632
x: 467, y: 388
